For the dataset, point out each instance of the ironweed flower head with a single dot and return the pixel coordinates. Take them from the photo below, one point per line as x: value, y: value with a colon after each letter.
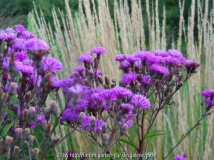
x: 24, y: 68
x: 146, y: 80
x: 129, y: 77
x: 162, y: 53
x: 51, y: 64
x: 80, y: 69
x: 20, y: 28
x: 121, y: 92
x: 21, y: 56
x: 180, y: 158
x: 208, y: 93
x: 143, y: 55
x: 98, y: 50
x: 175, y: 53
x: 124, y: 65
x: 35, y: 46
x: 159, y: 69
x: 86, y: 58
x: 131, y: 59
x: 140, y: 102
x: 120, y: 57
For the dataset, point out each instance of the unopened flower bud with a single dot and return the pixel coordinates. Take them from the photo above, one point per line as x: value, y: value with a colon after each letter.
x: 27, y: 134
x: 47, y: 113
x: 12, y: 89
x: 185, y: 155
x: 100, y: 80
x: 36, y: 151
x: 25, y: 114
x: 95, y: 63
x: 180, y: 84
x: 27, y: 96
x: 55, y: 141
x: 80, y: 118
x: 45, y: 80
x: 31, y: 140
x: 8, y: 140
x: 124, y: 129
x: 53, y: 107
x: 48, y: 128
x: 106, y: 80
x: 105, y: 139
x: 18, y: 132
x: 92, y: 120
x: 15, y: 152
x: 12, y: 67
x: 86, y: 81
x: 32, y: 112
x: 113, y: 85
x: 104, y: 127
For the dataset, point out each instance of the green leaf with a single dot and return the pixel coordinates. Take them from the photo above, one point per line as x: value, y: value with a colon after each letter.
x: 128, y: 142
x: 166, y: 107
x: 107, y: 117
x: 153, y: 135
x: 182, y: 137
x: 105, y: 158
x: 205, y: 124
x: 5, y: 130
x: 9, y: 112
x: 56, y: 122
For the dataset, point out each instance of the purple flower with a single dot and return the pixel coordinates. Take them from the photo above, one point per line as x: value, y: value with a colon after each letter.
x: 98, y: 125
x: 64, y: 83
x: 154, y: 59
x: 76, y: 91
x: 131, y: 59
x: 67, y: 115
x: 146, y: 80
x: 175, y: 53
x: 55, y: 82
x: 129, y: 122
x: 98, y: 50
x: 159, y: 69
x: 40, y: 119
x: 86, y: 58
x: 6, y: 62
x: 25, y: 68
x: 3, y: 35
x: 180, y: 158
x: 191, y: 64
x: 27, y: 35
x: 143, y: 55
x: 10, y: 35
x: 139, y: 64
x: 21, y: 56
x: 129, y: 77
x: 207, y: 93
x: 36, y: 45
x: 80, y: 69
x: 162, y: 53
x: 51, y: 64
x: 172, y: 61
x: 140, y: 101
x: 19, y: 44
x: 32, y: 78
x: 121, y: 92
x: 126, y: 109
x: 97, y: 73
x: 124, y: 65
x: 20, y: 28
x: 86, y: 123
x: 80, y: 107
x: 120, y: 57
x: 107, y: 95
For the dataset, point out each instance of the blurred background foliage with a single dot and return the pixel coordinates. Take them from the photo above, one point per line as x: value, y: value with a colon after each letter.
x: 15, y: 11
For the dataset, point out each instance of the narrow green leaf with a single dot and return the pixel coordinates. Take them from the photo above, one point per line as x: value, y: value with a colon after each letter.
x: 128, y: 142
x: 56, y: 122
x: 105, y: 158
x: 182, y: 137
x: 107, y: 117
x: 9, y: 112
x: 5, y: 130
x: 205, y: 124
x: 153, y: 135
x: 166, y: 107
